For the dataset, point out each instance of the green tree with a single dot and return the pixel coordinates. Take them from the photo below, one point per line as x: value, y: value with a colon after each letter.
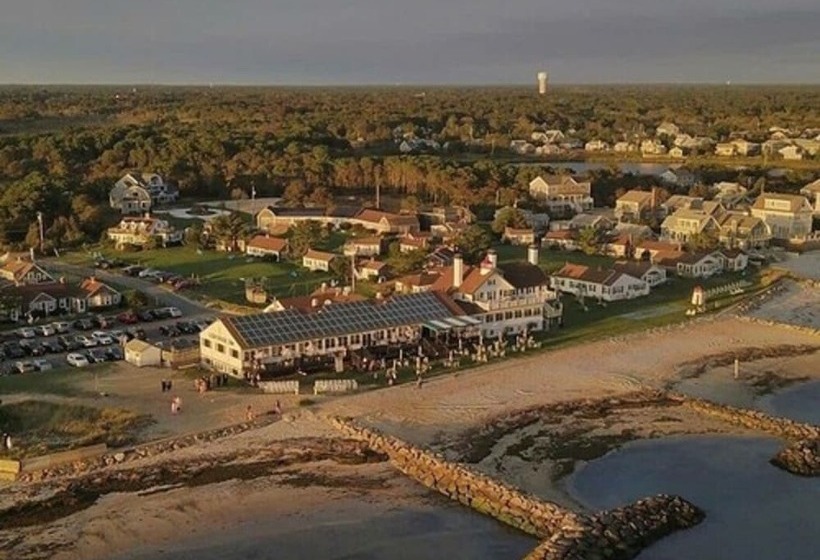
x: 304, y: 235
x: 229, y: 229
x: 135, y: 299
x: 590, y: 240
x: 341, y: 269
x: 473, y: 242
x: 405, y: 262
x: 705, y: 241
x: 508, y: 217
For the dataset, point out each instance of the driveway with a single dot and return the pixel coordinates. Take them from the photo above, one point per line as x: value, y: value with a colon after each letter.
x: 160, y: 296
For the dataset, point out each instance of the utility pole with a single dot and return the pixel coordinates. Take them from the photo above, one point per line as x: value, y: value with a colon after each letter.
x: 378, y: 195
x: 353, y: 273
x: 40, y: 223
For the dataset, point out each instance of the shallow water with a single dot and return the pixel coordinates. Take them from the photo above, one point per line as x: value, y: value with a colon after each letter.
x: 799, y: 402
x: 449, y: 532
x: 754, y: 510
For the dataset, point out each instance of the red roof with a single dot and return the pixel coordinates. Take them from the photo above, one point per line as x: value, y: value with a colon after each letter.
x: 268, y: 243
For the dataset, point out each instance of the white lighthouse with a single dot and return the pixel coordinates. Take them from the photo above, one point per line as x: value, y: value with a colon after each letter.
x: 542, y: 82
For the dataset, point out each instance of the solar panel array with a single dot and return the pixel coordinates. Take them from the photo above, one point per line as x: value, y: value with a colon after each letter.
x: 337, y: 319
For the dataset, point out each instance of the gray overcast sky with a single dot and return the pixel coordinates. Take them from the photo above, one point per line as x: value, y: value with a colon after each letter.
x: 408, y: 41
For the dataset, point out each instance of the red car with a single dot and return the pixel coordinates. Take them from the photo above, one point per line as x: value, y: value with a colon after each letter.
x: 128, y: 318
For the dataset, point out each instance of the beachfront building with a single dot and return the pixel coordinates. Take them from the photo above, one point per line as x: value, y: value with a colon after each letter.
x: 812, y: 194
x: 239, y: 345
x: 635, y: 206
x: 788, y: 216
x: 507, y: 298
x: 613, y: 284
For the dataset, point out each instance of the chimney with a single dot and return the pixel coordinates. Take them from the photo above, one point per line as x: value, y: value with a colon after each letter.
x: 458, y: 270
x: 492, y: 257
x: 532, y: 255
x: 653, y: 199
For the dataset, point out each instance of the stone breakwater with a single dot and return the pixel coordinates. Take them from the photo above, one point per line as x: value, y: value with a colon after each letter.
x: 473, y: 489
x: 142, y: 451
x: 751, y: 419
x: 623, y: 532
x: 616, y: 534
x: 800, y: 458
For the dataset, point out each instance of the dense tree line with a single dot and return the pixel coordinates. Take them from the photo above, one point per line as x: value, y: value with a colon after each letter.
x: 62, y: 148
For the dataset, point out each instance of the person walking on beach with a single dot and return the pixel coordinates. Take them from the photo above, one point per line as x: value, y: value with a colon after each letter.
x: 173, y: 406
x: 249, y: 414
x: 7, y: 442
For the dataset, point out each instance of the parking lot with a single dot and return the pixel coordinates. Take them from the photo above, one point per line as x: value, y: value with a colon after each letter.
x: 91, y: 339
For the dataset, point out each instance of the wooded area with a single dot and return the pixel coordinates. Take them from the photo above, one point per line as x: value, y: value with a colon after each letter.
x: 61, y: 148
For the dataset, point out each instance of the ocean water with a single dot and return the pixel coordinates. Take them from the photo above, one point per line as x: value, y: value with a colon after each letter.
x: 754, y: 510
x: 447, y: 532
x: 798, y: 402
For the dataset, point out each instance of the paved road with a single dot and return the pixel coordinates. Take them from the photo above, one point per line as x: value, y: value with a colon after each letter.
x: 161, y: 296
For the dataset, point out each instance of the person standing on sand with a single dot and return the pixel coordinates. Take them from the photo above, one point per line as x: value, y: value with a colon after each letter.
x: 178, y: 402
x: 7, y: 442
x: 249, y: 414
x: 173, y: 406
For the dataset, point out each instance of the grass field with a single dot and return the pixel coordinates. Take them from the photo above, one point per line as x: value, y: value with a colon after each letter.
x: 60, y: 381
x: 222, y: 275
x: 40, y: 427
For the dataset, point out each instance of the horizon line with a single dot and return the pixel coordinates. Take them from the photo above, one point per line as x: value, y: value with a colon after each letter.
x: 398, y: 85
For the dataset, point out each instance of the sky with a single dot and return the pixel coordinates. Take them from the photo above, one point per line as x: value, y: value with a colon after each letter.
x: 317, y: 42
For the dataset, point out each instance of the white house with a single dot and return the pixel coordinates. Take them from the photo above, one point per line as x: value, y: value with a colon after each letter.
x: 318, y: 260
x: 267, y: 246
x: 140, y: 230
x: 563, y: 190
x: 137, y: 193
x: 788, y: 216
x: 602, y: 284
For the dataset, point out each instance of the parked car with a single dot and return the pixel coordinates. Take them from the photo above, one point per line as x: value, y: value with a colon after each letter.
x: 52, y: 346
x: 45, y: 330
x: 128, y: 318
x: 161, y: 313
x: 25, y: 367
x: 169, y: 330
x: 136, y: 332
x: 87, y: 341
x: 102, y: 337
x: 145, y: 272
x: 133, y: 270
x: 26, y: 332
x: 69, y: 343
x: 76, y: 360
x: 145, y: 315
x: 84, y: 324
x: 13, y: 350
x: 61, y: 327
x: 97, y: 355
x: 42, y: 364
x: 32, y: 348
x: 115, y: 353
x: 186, y: 327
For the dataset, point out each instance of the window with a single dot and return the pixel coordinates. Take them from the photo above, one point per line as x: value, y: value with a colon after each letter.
x: 207, y: 343
x: 220, y: 348
x: 234, y: 354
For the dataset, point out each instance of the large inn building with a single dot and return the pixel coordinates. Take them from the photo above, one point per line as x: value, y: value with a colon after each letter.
x: 490, y: 299
x: 239, y: 344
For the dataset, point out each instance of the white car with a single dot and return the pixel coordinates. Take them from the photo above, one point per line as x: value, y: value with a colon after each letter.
x: 61, y: 326
x: 87, y: 341
x: 27, y: 332
x: 102, y: 337
x: 47, y: 330
x: 25, y: 367
x: 76, y: 360
x: 42, y: 364
x: 147, y: 272
x: 174, y: 312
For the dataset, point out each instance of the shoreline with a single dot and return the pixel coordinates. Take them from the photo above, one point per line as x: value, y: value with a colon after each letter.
x: 431, y: 417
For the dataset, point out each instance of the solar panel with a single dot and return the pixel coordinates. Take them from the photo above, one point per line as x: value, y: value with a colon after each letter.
x: 338, y: 319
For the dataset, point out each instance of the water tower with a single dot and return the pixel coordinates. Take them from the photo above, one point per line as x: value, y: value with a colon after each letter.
x: 542, y: 82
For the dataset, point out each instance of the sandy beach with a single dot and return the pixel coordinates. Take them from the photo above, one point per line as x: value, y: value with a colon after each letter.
x: 277, y: 505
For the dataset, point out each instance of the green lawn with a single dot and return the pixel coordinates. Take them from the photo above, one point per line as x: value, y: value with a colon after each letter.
x: 550, y: 260
x: 222, y: 275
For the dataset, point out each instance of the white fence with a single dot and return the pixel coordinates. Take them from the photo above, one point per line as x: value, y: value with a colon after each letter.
x: 334, y: 386
x: 280, y: 387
